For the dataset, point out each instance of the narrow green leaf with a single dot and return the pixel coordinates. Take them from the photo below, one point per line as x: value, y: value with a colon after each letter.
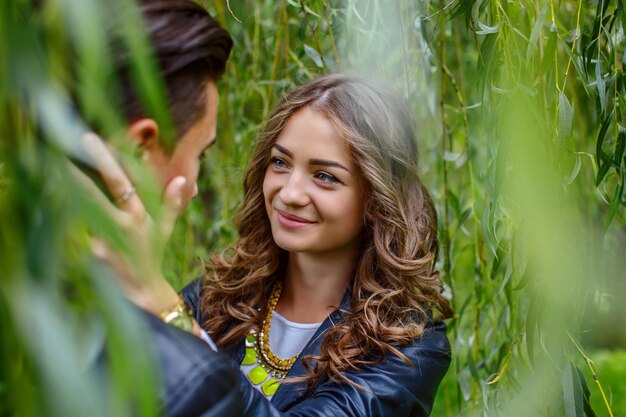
x: 566, y: 116
x: 604, y: 169
x: 464, y: 384
x: 614, y: 204
x: 465, y: 304
x: 487, y: 54
x: 531, y: 328
x: 507, y: 277
x: 487, y: 30
x: 619, y: 12
x: 600, y: 140
x: 586, y: 394
x: 534, y: 35
x: 601, y: 86
x: 450, y: 156
x: 306, y: 8
x: 549, y: 56
x: 579, y: 65
x: 575, y: 169
x: 464, y: 215
x: 463, y: 7
x: 572, y: 392
x: 620, y: 147
x: 471, y: 362
x: 454, y: 203
x: 487, y: 230
x: 314, y: 55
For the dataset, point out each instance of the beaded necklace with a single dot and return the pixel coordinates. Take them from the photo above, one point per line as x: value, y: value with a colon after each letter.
x: 258, y: 351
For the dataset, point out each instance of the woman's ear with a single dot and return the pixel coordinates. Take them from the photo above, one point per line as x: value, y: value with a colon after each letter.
x: 145, y: 136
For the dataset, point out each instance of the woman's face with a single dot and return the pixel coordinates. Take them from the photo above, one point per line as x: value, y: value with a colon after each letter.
x: 313, y: 193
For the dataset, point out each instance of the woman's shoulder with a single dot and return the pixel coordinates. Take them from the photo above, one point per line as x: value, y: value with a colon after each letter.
x: 433, y: 338
x: 415, y: 382
x: 429, y: 354
x: 430, y: 349
x: 392, y: 386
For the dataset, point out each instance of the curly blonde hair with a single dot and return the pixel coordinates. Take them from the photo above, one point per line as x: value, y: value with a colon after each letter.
x: 395, y: 289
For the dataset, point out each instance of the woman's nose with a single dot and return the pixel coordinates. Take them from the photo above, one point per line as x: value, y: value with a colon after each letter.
x: 293, y: 192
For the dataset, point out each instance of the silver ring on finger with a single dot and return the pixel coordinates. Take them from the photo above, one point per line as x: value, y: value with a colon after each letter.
x: 127, y: 195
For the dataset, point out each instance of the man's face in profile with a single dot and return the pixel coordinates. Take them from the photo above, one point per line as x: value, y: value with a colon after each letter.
x: 184, y: 160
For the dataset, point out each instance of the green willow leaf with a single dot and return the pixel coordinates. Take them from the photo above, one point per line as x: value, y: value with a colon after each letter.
x: 586, y: 394
x: 602, y: 171
x: 601, y: 86
x: 565, y: 119
x: 575, y: 169
x: 534, y: 35
x: 487, y: 230
x: 463, y: 7
x: 600, y: 139
x: 487, y: 30
x: 530, y: 327
x: 314, y: 55
x: 614, y: 204
x: 620, y: 13
x: 620, y: 147
x: 472, y: 363
x: 549, y: 57
x: 572, y: 391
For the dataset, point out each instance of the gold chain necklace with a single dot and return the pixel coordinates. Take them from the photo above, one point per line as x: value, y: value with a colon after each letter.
x: 277, y: 366
x: 270, y: 368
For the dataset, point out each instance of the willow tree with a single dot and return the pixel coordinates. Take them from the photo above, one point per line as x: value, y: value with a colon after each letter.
x: 519, y: 105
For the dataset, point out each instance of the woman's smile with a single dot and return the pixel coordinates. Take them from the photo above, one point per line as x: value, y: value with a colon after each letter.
x: 290, y: 221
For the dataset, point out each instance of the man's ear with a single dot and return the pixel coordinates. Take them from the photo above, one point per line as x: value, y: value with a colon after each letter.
x: 145, y: 136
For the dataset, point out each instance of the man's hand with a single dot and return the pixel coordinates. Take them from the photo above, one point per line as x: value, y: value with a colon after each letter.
x: 140, y: 271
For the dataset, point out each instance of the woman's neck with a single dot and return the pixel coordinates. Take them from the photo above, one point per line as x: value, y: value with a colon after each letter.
x: 314, y: 286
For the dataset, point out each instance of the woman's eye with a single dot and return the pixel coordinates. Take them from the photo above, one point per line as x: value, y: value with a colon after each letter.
x: 327, y: 178
x: 278, y: 163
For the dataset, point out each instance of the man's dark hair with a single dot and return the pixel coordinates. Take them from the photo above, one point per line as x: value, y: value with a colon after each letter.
x: 190, y: 48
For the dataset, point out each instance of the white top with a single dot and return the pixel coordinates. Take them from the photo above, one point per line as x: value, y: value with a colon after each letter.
x: 287, y: 339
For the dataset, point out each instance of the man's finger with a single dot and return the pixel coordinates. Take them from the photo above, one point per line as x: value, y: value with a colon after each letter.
x: 113, y: 176
x: 122, y: 218
x: 173, y: 200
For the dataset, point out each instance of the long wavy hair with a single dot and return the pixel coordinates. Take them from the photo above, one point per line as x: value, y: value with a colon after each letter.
x: 395, y: 289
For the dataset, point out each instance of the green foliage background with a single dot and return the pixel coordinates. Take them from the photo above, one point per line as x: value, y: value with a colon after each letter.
x: 520, y: 108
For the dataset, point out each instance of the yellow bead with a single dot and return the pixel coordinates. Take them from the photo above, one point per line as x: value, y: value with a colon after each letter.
x: 250, y: 357
x: 270, y: 386
x: 257, y: 375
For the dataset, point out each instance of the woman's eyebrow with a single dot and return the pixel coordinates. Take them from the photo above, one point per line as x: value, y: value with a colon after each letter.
x: 313, y: 161
x: 326, y: 163
x: 282, y: 150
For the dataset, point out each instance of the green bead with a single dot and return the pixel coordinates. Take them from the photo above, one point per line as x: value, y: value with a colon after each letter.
x: 257, y: 375
x: 250, y: 357
x: 250, y: 338
x: 270, y: 386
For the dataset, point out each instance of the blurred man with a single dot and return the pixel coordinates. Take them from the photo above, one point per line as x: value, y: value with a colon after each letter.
x: 191, y: 51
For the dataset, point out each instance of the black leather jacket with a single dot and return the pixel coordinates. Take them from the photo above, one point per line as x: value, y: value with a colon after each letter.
x: 195, y: 380
x: 394, y: 388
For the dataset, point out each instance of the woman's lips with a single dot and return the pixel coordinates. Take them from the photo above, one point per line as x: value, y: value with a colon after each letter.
x: 290, y: 221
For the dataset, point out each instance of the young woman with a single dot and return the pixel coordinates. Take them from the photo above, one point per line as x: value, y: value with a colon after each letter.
x: 328, y: 299
x: 328, y: 302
